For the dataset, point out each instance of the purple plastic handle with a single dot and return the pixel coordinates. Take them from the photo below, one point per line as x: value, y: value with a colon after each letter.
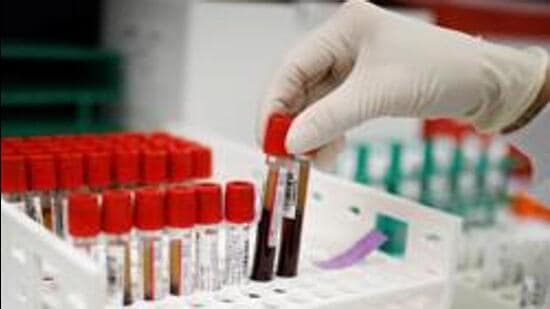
x: 363, y: 247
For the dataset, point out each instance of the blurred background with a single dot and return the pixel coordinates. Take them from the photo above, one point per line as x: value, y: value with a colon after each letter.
x: 99, y: 66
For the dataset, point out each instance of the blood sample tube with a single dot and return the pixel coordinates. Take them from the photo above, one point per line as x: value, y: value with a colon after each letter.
x: 42, y: 184
x: 293, y: 216
x: 239, y: 214
x: 126, y: 168
x: 181, y: 218
x: 116, y: 225
x: 14, y: 181
x: 208, y: 250
x: 98, y: 170
x: 180, y: 162
x: 70, y: 171
x: 149, y: 216
x: 273, y: 199
x: 84, y: 224
x: 154, y: 167
x: 202, y: 161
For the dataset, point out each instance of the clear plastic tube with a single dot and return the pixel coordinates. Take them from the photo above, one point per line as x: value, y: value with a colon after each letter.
x: 182, y: 261
x: 293, y: 216
x: 208, y: 262
x: 40, y: 207
x: 91, y: 247
x: 153, y: 264
x: 237, y: 248
x: 17, y: 200
x: 267, y: 237
x: 121, y: 274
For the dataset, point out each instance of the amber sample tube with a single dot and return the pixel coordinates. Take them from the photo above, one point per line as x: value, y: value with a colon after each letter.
x: 181, y: 218
x: 293, y: 215
x: 149, y: 219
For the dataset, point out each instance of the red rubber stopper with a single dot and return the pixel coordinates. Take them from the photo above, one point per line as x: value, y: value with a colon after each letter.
x: 180, y: 162
x: 70, y: 170
x: 117, y: 212
x: 239, y: 202
x: 84, y: 215
x: 126, y: 166
x: 202, y: 161
x: 14, y: 174
x: 98, y: 169
x: 275, y: 135
x: 181, y: 207
x: 154, y: 166
x: 209, y: 196
x: 42, y: 172
x: 149, y: 209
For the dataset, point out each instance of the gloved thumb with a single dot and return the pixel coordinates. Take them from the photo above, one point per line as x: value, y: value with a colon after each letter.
x: 385, y: 91
x: 331, y: 116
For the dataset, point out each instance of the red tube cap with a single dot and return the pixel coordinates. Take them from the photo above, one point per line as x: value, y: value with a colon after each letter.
x: 275, y: 134
x: 117, y: 212
x: 149, y: 210
x: 202, y: 161
x: 126, y: 166
x: 154, y: 166
x: 180, y: 162
x: 70, y: 171
x: 84, y: 215
x: 42, y: 172
x: 181, y: 207
x: 14, y: 174
x: 98, y: 169
x: 239, y: 202
x: 209, y: 196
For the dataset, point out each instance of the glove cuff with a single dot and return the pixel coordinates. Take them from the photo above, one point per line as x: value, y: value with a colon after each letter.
x: 518, y: 100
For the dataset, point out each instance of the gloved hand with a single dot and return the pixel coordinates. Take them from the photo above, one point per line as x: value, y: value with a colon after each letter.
x: 366, y: 62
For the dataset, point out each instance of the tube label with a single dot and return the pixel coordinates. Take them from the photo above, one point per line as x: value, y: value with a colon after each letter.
x: 291, y: 195
x: 115, y: 274
x: 277, y: 208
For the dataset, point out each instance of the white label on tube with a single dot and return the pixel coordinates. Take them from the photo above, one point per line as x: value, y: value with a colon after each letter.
x: 115, y: 274
x: 291, y: 196
x: 277, y: 208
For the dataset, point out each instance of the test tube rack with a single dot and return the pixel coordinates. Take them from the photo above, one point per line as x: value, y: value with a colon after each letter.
x: 486, y: 286
x: 339, y: 212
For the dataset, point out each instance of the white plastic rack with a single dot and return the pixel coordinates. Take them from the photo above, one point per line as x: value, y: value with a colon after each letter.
x: 339, y: 212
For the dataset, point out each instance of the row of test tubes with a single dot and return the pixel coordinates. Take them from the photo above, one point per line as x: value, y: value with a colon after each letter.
x: 154, y: 242
x: 139, y: 205
x: 38, y: 173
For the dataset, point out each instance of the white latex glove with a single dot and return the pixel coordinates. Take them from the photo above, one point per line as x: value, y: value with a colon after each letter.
x: 366, y: 62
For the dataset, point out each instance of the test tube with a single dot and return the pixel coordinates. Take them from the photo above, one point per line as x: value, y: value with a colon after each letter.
x: 116, y: 226
x: 202, y: 161
x: 154, y: 167
x: 84, y: 223
x: 126, y: 164
x: 181, y: 218
x: 293, y: 216
x: 98, y: 170
x: 42, y: 184
x: 14, y: 181
x: 208, y: 249
x: 180, y: 162
x: 239, y: 212
x: 70, y: 171
x: 273, y: 199
x: 149, y: 216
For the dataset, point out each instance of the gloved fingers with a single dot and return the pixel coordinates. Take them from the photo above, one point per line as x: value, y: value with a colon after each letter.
x: 327, y: 118
x: 326, y: 157
x: 310, y: 71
